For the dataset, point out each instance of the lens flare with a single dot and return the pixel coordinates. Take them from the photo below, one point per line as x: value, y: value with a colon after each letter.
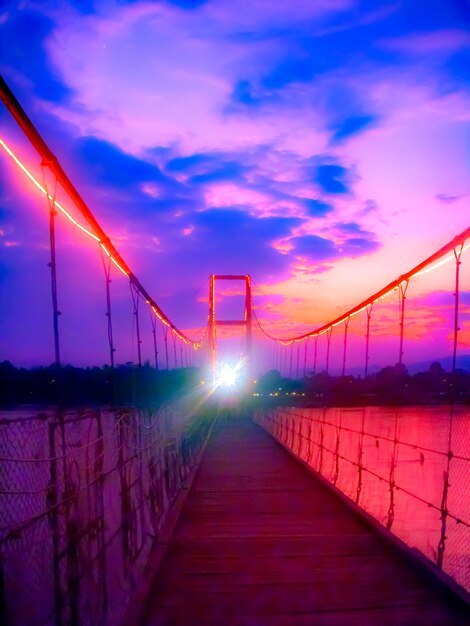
x: 226, y: 376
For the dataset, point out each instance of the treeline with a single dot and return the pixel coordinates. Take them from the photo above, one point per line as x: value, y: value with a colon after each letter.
x: 126, y: 384
x: 129, y: 384
x: 391, y: 385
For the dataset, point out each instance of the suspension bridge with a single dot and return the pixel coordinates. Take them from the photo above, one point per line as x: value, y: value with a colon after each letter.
x: 251, y: 508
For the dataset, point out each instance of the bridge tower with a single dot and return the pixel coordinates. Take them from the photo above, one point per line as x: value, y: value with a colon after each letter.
x: 246, y: 322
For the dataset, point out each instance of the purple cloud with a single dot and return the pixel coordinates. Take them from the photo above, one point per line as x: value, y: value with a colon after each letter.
x: 332, y: 178
x: 446, y: 198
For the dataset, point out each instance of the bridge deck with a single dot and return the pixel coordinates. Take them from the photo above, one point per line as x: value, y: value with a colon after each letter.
x: 260, y: 542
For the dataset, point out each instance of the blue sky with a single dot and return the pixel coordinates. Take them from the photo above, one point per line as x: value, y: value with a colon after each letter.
x: 321, y: 147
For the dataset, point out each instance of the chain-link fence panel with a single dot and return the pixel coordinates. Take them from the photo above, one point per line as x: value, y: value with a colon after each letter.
x: 408, y: 467
x: 83, y: 496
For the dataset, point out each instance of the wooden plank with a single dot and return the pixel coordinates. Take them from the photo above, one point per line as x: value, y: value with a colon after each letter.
x: 429, y: 615
x: 261, y: 542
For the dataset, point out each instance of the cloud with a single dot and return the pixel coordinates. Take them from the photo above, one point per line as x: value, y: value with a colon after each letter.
x: 317, y: 61
x: 229, y: 170
x: 444, y: 299
x: 207, y: 168
x: 261, y: 180
x: 358, y: 246
x: 183, y: 164
x: 86, y: 7
x: 263, y: 17
x: 332, y: 178
x: 226, y: 241
x: 183, y: 4
x: 458, y: 69
x: 123, y: 187
x: 349, y: 227
x: 351, y: 126
x: 187, y: 4
x: 177, y: 69
x: 315, y: 248
x: 303, y: 66
x: 229, y: 223
x: 245, y: 94
x: 317, y: 208
x: 106, y: 163
x: 23, y: 54
x: 446, y: 198
x: 356, y: 237
x: 424, y: 43
x: 326, y: 48
x: 370, y: 206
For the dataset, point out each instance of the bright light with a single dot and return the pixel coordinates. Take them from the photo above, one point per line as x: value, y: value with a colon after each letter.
x: 226, y: 376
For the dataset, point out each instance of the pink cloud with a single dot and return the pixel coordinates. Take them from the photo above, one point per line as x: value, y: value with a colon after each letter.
x: 440, y: 41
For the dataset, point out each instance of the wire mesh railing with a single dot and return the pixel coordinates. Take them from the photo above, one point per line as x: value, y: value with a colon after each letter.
x: 83, y: 496
x: 408, y: 467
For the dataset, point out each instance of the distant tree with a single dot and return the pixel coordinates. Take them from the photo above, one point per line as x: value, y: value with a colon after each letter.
x: 392, y: 375
x: 271, y: 380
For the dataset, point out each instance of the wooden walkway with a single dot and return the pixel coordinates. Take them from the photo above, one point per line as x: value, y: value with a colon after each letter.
x: 260, y: 542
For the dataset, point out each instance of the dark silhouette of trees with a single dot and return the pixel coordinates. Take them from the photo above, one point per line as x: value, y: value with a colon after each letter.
x: 69, y: 385
x: 391, y: 385
x: 129, y: 384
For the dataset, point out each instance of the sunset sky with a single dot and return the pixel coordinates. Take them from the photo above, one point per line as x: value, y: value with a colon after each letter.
x: 320, y: 146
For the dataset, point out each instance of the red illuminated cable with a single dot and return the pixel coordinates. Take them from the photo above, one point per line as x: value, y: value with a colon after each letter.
x: 96, y: 232
x: 119, y: 264
x: 431, y: 263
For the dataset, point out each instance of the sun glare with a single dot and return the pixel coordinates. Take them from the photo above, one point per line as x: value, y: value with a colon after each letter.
x: 226, y: 376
